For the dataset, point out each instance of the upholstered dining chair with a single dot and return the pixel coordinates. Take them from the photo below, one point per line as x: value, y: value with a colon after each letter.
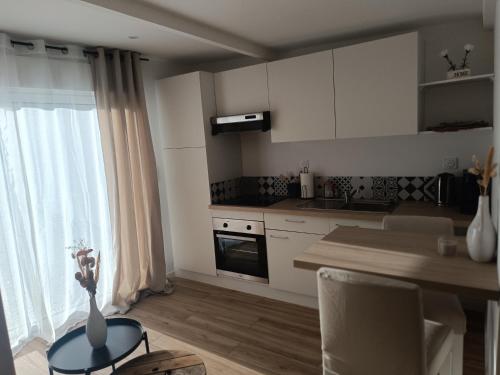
x: 438, y: 306
x: 419, y: 224
x: 375, y: 325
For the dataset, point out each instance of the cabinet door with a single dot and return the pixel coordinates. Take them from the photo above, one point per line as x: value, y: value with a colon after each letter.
x: 294, y: 223
x: 302, y: 98
x: 190, y: 219
x: 282, y: 248
x: 376, y: 88
x: 181, y: 111
x: 242, y: 90
x: 335, y: 223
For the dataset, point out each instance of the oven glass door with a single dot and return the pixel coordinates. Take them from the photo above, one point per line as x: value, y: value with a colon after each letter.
x: 241, y: 254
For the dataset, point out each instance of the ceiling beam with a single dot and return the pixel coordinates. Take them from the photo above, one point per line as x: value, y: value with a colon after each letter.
x: 184, y: 26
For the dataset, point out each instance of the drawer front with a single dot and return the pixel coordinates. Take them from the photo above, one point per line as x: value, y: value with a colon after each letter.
x: 293, y: 223
x: 334, y: 223
x: 282, y: 248
x: 239, y: 215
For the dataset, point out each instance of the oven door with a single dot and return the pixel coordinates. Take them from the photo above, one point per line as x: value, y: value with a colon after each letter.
x: 241, y: 255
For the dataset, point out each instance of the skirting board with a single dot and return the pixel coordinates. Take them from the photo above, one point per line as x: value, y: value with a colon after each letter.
x: 259, y: 289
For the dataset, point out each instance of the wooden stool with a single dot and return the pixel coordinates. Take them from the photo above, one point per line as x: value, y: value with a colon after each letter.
x: 163, y: 362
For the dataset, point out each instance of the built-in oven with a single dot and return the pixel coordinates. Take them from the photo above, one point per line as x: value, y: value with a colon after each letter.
x: 240, y: 249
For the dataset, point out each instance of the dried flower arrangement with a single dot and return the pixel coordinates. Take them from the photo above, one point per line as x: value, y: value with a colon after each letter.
x: 88, y: 276
x: 451, y: 65
x: 487, y: 172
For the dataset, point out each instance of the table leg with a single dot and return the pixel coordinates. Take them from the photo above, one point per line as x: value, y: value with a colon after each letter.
x: 51, y: 372
x: 146, y: 341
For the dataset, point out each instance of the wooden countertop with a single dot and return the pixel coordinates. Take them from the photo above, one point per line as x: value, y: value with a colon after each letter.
x: 289, y: 206
x: 403, y: 255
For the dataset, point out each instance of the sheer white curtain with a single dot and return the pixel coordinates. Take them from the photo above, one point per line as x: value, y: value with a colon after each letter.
x: 52, y: 189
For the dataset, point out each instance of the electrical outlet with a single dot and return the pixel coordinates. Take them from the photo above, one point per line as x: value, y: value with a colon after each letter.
x: 450, y: 164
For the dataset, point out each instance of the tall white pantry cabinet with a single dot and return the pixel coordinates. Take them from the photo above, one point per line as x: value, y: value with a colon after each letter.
x: 186, y: 103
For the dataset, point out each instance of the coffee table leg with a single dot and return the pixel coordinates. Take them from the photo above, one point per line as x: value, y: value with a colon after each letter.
x: 146, y: 342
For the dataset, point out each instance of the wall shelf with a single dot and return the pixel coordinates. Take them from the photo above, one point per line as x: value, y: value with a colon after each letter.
x: 486, y: 128
x: 444, y: 82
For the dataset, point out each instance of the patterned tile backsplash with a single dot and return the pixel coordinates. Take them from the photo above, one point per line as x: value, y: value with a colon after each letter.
x: 378, y: 188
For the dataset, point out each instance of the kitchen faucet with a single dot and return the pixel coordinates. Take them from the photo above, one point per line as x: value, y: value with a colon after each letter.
x: 348, y: 195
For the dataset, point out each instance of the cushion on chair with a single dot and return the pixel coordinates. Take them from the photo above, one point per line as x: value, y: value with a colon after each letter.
x: 419, y: 224
x: 444, y: 308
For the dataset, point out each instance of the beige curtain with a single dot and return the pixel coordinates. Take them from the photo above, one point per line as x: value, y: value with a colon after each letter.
x: 131, y: 175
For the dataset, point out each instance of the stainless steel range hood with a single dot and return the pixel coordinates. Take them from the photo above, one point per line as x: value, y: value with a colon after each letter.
x: 240, y: 123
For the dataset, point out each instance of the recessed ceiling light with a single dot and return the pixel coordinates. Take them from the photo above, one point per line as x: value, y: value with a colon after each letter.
x: 133, y: 37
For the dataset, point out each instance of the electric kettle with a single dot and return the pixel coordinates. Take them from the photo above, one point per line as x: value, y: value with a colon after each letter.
x: 444, y: 189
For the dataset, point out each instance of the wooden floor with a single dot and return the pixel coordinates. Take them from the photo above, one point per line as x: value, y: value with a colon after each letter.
x: 238, y: 333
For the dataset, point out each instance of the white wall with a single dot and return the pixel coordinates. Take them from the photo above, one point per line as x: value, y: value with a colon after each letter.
x: 419, y: 155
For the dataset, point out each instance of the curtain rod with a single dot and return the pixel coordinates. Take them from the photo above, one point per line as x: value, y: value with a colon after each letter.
x: 63, y: 50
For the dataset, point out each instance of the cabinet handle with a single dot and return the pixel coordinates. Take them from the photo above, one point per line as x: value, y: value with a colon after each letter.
x: 279, y: 237
x: 295, y: 221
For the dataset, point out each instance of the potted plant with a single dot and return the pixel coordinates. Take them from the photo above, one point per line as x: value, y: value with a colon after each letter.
x: 463, y: 70
x: 88, y: 277
x: 481, y: 236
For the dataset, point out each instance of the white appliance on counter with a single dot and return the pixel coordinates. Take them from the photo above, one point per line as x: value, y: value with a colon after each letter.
x: 307, y: 185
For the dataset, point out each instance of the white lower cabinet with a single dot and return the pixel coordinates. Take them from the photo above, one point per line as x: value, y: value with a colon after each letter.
x: 335, y: 223
x: 282, y: 248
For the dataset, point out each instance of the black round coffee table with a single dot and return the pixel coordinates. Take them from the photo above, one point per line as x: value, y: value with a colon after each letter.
x: 72, y: 353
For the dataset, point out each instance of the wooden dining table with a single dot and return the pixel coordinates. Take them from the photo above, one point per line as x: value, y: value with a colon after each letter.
x: 413, y: 257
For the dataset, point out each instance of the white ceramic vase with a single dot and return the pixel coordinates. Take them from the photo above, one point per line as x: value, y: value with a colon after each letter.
x: 481, y: 237
x: 96, y: 329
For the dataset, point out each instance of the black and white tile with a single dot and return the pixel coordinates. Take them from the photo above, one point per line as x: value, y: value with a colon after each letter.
x: 224, y: 190
x: 266, y: 185
x: 385, y: 188
x: 281, y: 186
x: 343, y: 184
x: 362, y: 187
x: 414, y: 188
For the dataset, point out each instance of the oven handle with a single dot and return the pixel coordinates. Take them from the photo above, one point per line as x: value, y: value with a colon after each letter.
x: 295, y: 221
x: 249, y: 239
x: 279, y: 237
x: 244, y: 251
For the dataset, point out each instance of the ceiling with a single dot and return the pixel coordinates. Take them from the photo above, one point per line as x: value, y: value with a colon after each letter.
x: 285, y: 23
x: 165, y: 28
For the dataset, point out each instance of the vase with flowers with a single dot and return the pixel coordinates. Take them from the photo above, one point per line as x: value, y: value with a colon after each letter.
x: 463, y: 70
x: 88, y: 277
x: 481, y: 237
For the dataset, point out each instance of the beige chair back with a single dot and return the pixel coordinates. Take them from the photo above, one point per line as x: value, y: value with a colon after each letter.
x: 419, y: 224
x: 370, y: 325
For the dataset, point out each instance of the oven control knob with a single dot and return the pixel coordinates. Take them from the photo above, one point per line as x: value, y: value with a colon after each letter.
x: 249, y: 227
x: 225, y: 225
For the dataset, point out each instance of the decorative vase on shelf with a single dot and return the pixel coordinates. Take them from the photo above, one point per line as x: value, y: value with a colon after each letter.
x: 96, y: 329
x: 481, y: 237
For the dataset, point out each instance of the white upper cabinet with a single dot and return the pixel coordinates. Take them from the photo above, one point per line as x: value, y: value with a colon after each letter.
x: 242, y: 90
x: 181, y: 111
x: 376, y: 87
x: 301, y: 95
